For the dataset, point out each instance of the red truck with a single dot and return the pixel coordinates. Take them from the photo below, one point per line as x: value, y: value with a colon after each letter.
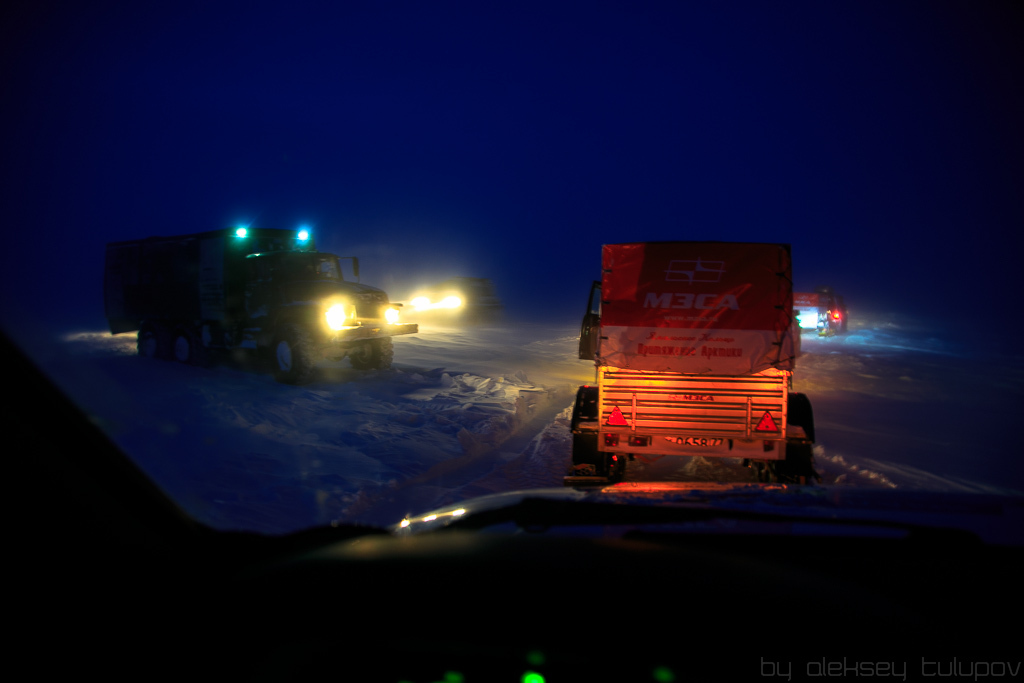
x: 694, y: 344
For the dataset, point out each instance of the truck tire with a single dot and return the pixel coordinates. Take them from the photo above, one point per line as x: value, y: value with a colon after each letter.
x: 182, y: 346
x: 798, y: 467
x: 152, y: 342
x: 187, y: 347
x: 375, y: 354
x: 800, y: 414
x: 293, y: 355
x: 586, y: 459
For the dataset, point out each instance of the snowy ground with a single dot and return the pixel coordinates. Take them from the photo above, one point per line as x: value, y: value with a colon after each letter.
x: 479, y: 410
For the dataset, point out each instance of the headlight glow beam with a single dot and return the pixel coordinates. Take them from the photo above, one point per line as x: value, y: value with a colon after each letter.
x: 450, y: 302
x: 422, y: 303
x: 391, y: 315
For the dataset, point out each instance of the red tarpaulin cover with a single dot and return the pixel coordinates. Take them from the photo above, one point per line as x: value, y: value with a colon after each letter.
x: 697, y: 307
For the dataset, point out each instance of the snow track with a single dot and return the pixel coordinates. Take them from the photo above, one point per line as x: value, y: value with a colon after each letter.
x: 466, y: 412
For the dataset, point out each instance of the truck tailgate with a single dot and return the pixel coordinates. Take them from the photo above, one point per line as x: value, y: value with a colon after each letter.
x: 665, y: 403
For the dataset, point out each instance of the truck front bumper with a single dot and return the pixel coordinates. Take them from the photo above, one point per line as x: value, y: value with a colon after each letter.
x: 356, y: 333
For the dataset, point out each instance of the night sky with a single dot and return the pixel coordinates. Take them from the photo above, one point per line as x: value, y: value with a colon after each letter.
x: 881, y: 139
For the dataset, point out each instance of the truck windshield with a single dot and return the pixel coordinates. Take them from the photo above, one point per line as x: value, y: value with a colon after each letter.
x: 308, y: 266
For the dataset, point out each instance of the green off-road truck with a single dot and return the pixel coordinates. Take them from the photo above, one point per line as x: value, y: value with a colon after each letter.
x: 248, y: 288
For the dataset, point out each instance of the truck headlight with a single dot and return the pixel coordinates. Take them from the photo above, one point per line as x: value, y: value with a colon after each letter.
x: 336, y: 315
x: 391, y: 315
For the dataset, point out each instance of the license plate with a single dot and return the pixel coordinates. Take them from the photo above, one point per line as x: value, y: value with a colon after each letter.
x: 698, y: 441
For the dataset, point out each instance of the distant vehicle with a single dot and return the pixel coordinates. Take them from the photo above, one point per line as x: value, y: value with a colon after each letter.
x: 822, y: 310
x: 695, y: 349
x: 462, y: 298
x: 249, y: 288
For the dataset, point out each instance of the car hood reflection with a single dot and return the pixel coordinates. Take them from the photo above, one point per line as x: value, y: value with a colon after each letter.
x: 716, y: 508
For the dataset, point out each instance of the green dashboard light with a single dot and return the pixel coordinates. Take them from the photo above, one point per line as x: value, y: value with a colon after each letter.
x: 663, y: 674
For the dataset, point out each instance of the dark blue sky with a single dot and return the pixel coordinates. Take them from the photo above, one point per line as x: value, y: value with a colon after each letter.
x: 881, y: 139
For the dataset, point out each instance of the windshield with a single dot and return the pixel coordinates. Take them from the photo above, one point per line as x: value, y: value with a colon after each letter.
x: 882, y: 143
x: 297, y: 266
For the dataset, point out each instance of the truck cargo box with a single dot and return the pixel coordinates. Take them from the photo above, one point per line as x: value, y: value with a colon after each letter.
x: 183, y: 277
x: 721, y: 308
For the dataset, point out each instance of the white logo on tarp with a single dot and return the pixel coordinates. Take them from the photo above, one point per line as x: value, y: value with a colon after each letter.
x: 697, y: 270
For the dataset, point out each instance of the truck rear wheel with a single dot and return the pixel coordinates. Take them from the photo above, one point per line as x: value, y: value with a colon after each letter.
x: 187, y: 347
x: 586, y: 459
x: 800, y: 414
x: 293, y: 355
x: 183, y: 348
x: 152, y: 341
x: 375, y: 354
x: 798, y: 467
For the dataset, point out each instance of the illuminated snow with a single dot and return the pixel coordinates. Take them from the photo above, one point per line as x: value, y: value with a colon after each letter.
x: 473, y: 411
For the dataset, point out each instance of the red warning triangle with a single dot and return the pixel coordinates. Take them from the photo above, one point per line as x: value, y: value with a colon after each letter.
x: 767, y: 424
x: 616, y: 418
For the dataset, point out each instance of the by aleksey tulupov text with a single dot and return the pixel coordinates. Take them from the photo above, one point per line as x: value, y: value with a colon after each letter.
x: 925, y: 668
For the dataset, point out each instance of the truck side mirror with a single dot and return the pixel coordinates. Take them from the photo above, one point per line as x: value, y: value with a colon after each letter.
x: 589, y: 331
